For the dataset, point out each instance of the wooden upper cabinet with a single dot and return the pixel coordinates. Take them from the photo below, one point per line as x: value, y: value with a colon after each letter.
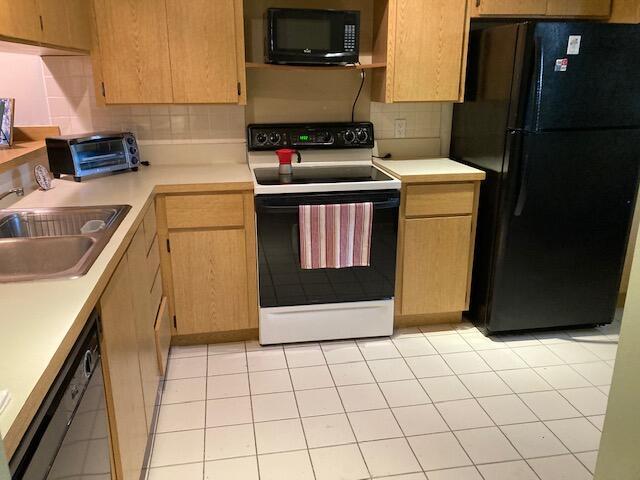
x: 55, y: 22
x: 511, y: 7
x: 134, y: 51
x: 579, y: 8
x: 19, y: 19
x: 79, y: 13
x: 429, y: 50
x: 625, y: 11
x: 202, y: 45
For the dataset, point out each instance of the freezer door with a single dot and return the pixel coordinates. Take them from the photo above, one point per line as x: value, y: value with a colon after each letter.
x: 564, y: 230
x: 586, y: 77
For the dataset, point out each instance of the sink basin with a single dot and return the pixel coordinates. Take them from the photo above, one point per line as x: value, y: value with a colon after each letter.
x: 38, y: 244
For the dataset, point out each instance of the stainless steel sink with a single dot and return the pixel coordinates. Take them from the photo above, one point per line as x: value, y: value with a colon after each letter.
x: 37, y: 244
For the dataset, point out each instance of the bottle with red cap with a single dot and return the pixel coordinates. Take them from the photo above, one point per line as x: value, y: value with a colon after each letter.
x: 284, y: 157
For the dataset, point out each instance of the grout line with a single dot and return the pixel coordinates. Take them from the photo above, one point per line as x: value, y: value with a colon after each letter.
x: 206, y: 389
x: 253, y: 422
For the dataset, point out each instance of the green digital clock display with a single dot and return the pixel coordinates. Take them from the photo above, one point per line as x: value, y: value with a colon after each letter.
x: 304, y: 138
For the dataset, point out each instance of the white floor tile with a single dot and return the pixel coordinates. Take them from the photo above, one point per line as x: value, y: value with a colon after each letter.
x: 414, y: 346
x: 562, y: 376
x: 351, y: 373
x: 270, y: 381
x: 603, y: 350
x: 588, y: 459
x: 589, y: 400
x: 605, y: 389
x: 406, y: 332
x: 389, y: 457
x: 279, y: 436
x: 181, y: 416
x: 323, y: 401
x: 518, y: 470
x: 516, y: 340
x: 449, y: 343
x: 466, y: 362
x: 564, y: 467
x: 226, y: 363
x: 438, y: 451
x: 486, y: 445
x: 461, y: 414
x: 485, y: 384
x: 190, y: 471
x: 389, y: 370
x: 225, y: 386
x: 552, y: 337
x: 178, y: 447
x: 245, y: 468
x: 228, y: 442
x: 549, y: 405
x: 342, y: 462
x: 429, y: 366
x: 374, y: 425
x: 254, y: 346
x: 533, y: 440
x: 433, y: 330
x: 190, y: 367
x: 442, y: 389
x: 502, y: 359
x: 598, y: 373
x: 524, y: 380
x: 307, y: 378
x: 404, y: 393
x: 361, y: 397
x: 420, y: 420
x: 274, y: 406
x: 305, y: 356
x: 327, y: 430
x: 341, y: 352
x: 228, y: 411
x: 184, y: 351
x: 463, y: 473
x: 573, y: 353
x: 479, y: 342
x: 577, y: 434
x: 597, y: 421
x: 507, y: 409
x: 408, y: 476
x: 184, y: 390
x: 538, y: 356
x: 266, y: 360
x: 285, y: 466
x: 375, y: 349
x: 235, y: 347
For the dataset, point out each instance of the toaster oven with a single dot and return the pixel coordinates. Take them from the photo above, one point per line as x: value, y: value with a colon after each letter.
x: 92, y: 154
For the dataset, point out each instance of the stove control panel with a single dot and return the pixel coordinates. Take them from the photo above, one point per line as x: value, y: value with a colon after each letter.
x: 310, y: 135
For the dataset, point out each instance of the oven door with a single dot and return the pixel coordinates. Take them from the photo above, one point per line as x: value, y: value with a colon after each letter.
x: 284, y: 283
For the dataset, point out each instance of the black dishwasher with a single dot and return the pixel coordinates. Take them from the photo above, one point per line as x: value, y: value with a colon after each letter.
x: 69, y: 436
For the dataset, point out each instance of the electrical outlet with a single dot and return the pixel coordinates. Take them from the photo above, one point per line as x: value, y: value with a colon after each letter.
x: 400, y: 128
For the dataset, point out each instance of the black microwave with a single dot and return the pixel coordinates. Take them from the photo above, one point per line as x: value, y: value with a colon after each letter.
x: 312, y: 37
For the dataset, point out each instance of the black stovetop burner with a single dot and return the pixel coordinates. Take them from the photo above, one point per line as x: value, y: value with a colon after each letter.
x: 304, y: 175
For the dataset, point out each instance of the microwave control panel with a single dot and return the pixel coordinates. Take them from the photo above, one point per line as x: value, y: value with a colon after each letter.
x: 310, y: 135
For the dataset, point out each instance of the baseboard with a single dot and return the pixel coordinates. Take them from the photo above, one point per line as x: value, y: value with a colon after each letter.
x: 427, y: 319
x: 215, y: 337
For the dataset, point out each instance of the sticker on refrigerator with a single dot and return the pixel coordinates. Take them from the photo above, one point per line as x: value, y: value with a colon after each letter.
x: 573, y: 47
x: 561, y: 64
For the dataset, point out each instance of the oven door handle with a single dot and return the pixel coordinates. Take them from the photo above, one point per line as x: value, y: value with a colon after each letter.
x: 387, y: 204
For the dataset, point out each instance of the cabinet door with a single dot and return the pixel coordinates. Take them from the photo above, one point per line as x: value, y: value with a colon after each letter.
x: 435, y: 264
x: 144, y: 323
x: 125, y: 402
x: 79, y: 14
x: 134, y: 51
x: 512, y: 7
x: 430, y: 40
x: 579, y: 8
x: 55, y: 22
x: 19, y: 19
x: 209, y: 280
x: 202, y: 42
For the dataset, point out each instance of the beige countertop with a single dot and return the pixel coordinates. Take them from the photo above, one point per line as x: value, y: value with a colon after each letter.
x: 430, y: 170
x: 40, y: 321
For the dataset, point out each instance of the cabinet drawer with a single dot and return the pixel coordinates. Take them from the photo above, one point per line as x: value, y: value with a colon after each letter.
x: 196, y: 211
x: 155, y: 296
x: 439, y: 199
x: 150, y: 228
x: 153, y: 262
x: 163, y: 335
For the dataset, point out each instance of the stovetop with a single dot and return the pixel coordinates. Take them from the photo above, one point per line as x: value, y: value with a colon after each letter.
x: 322, y: 175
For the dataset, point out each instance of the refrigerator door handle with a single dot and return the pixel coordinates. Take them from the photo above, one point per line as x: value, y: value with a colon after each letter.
x: 522, y: 190
x: 538, y: 78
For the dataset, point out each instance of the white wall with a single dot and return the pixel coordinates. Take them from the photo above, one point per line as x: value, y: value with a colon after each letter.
x: 21, y: 78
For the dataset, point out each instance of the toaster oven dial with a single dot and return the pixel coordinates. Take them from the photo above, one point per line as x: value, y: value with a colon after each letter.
x: 349, y: 136
x: 134, y: 160
x: 133, y: 150
x: 274, y: 138
x: 130, y: 140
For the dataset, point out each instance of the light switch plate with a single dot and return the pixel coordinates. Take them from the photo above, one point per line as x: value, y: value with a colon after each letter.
x: 400, y: 128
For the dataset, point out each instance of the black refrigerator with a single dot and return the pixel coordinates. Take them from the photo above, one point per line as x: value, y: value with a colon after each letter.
x: 552, y: 115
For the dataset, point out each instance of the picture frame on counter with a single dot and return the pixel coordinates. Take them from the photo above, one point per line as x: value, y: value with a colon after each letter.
x: 6, y: 121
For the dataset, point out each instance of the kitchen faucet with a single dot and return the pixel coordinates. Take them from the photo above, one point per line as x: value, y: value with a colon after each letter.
x: 19, y: 191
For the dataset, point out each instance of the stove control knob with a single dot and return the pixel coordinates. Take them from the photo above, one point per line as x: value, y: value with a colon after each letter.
x: 349, y: 136
x: 274, y: 138
x: 261, y: 138
x: 362, y: 135
x: 326, y: 137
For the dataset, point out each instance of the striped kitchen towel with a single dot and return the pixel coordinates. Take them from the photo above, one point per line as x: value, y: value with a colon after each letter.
x: 335, y: 236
